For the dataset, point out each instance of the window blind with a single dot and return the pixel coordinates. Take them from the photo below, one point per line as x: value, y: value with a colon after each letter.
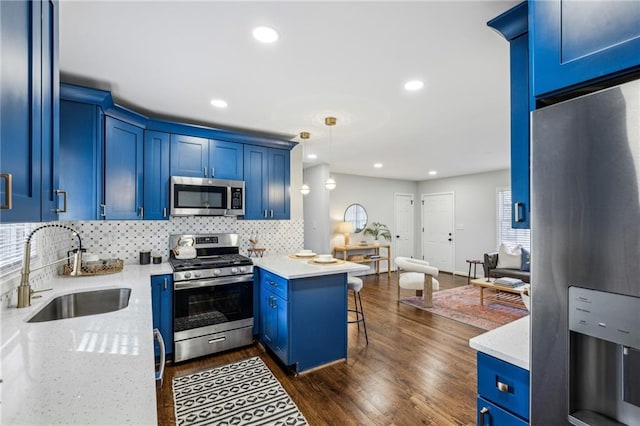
x: 12, y: 238
x: 507, y: 234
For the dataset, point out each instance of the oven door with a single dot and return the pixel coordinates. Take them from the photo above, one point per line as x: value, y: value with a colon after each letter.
x: 211, y: 306
x: 198, y: 196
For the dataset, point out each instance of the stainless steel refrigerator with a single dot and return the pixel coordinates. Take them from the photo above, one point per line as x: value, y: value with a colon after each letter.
x: 585, y: 259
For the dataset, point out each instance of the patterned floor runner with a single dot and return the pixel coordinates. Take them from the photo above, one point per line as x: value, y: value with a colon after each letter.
x: 463, y: 304
x: 242, y: 393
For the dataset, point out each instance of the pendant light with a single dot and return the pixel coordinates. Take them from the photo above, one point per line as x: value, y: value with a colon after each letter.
x: 304, y: 189
x: 330, y: 183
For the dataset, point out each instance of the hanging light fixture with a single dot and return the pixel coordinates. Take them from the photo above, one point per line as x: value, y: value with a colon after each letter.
x: 304, y: 189
x: 330, y: 183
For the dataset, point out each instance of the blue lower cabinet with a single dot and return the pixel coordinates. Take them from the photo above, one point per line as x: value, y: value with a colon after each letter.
x: 304, y: 321
x: 505, y: 387
x: 162, y: 306
x: 491, y: 415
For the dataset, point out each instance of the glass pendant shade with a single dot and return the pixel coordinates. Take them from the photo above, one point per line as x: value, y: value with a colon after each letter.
x: 330, y: 184
x: 304, y: 189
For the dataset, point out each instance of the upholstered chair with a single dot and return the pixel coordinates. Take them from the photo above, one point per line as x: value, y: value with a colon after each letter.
x: 418, y: 275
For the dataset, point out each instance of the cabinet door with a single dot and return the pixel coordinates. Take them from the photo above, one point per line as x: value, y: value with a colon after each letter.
x: 189, y: 156
x: 20, y: 132
x: 279, y: 178
x: 156, y: 175
x: 123, y: 170
x: 81, y: 154
x: 492, y: 415
x: 225, y: 160
x: 256, y: 182
x: 520, y: 147
x: 162, y: 309
x: 274, y: 323
x: 50, y: 112
x: 575, y: 42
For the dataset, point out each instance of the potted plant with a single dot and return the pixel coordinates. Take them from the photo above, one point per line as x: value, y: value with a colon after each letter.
x: 377, y: 230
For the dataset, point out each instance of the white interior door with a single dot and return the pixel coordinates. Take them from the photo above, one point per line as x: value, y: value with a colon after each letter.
x: 403, y: 229
x: 437, y: 230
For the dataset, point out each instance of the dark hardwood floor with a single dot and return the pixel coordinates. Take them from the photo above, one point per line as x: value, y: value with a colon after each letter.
x: 417, y: 369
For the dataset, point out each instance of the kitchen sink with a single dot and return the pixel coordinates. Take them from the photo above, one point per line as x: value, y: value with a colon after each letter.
x: 83, y: 303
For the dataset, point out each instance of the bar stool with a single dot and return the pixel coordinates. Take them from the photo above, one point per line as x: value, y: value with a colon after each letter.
x: 355, y: 284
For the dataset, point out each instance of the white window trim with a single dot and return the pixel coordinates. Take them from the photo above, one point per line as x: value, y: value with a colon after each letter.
x: 498, y: 223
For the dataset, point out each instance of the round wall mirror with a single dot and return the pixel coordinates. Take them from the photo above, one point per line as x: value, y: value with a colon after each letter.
x: 357, y: 215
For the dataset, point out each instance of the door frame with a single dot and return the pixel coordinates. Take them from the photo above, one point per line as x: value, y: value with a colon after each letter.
x: 411, y: 228
x: 453, y: 228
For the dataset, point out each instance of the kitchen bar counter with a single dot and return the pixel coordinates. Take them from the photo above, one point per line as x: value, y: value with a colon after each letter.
x: 509, y: 343
x: 95, y: 369
x: 289, y: 268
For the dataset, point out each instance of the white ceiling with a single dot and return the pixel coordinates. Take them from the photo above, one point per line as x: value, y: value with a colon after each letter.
x: 345, y: 59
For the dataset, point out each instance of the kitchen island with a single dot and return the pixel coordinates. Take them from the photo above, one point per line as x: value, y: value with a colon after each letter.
x: 303, y: 309
x: 96, y: 369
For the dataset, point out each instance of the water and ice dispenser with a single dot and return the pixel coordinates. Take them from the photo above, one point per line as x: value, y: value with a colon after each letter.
x: 604, y: 358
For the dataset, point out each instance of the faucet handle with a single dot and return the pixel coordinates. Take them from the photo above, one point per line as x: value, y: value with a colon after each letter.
x: 38, y: 291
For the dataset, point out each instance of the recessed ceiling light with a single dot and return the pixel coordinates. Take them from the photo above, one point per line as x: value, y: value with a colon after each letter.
x: 413, y: 85
x: 219, y: 103
x: 312, y: 156
x: 265, y: 34
x: 378, y: 165
x: 433, y: 172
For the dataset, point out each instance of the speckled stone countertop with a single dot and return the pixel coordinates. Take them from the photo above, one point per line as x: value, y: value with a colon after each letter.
x: 95, y: 369
x: 289, y: 268
x: 510, y: 343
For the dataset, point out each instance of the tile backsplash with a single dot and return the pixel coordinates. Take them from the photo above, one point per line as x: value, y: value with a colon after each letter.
x: 125, y: 239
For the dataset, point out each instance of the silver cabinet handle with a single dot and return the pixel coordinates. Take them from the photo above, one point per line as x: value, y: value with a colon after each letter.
x: 483, y: 412
x: 165, y: 283
x: 104, y: 210
x: 271, y: 214
x: 502, y: 387
x: 64, y: 200
x: 141, y: 211
x: 204, y: 169
x: 265, y: 213
x: 8, y: 190
x: 516, y: 207
x: 213, y: 172
x: 164, y: 212
x: 218, y: 340
x: 158, y: 336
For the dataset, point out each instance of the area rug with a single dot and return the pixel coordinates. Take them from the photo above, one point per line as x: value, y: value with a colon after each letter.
x: 463, y: 304
x: 241, y: 393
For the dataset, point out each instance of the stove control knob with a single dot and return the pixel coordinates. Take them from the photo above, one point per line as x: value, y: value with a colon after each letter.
x: 234, y: 270
x: 197, y: 274
x: 243, y: 269
x: 187, y: 274
x: 216, y: 272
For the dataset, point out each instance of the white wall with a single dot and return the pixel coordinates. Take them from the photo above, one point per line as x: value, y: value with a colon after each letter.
x: 316, y: 209
x: 475, y: 212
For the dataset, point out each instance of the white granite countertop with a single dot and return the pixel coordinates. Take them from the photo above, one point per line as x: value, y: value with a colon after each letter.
x: 95, y: 369
x: 510, y: 343
x: 289, y: 268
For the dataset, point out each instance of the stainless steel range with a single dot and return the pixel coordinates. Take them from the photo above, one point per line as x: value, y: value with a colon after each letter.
x: 213, y: 294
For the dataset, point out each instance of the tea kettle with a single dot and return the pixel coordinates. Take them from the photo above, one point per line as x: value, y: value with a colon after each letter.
x: 185, y: 249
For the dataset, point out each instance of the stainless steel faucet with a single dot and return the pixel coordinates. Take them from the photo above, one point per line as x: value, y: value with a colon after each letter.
x: 24, y: 289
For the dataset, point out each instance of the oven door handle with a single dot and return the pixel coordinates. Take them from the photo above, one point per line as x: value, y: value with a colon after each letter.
x: 184, y: 285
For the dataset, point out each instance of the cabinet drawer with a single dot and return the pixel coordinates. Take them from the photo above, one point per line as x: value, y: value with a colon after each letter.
x: 492, y: 415
x: 274, y: 283
x: 504, y: 384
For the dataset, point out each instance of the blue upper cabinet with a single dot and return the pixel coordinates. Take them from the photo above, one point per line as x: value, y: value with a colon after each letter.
x: 226, y: 160
x: 267, y: 180
x: 578, y: 43
x: 28, y: 135
x: 123, y: 167
x: 200, y: 157
x: 513, y: 25
x: 156, y: 175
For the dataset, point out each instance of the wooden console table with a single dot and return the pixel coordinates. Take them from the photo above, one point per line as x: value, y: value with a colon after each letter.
x: 366, y: 247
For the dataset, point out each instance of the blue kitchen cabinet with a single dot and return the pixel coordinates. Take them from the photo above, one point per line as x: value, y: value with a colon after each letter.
x: 200, y: 157
x: 123, y: 168
x: 28, y: 135
x: 81, y: 142
x: 303, y: 321
x: 513, y: 25
x: 267, y: 177
x: 579, y: 43
x: 503, y: 392
x: 162, y: 308
x: 156, y: 175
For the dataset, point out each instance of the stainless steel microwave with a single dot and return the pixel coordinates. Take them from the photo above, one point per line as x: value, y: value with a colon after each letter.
x: 191, y: 196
